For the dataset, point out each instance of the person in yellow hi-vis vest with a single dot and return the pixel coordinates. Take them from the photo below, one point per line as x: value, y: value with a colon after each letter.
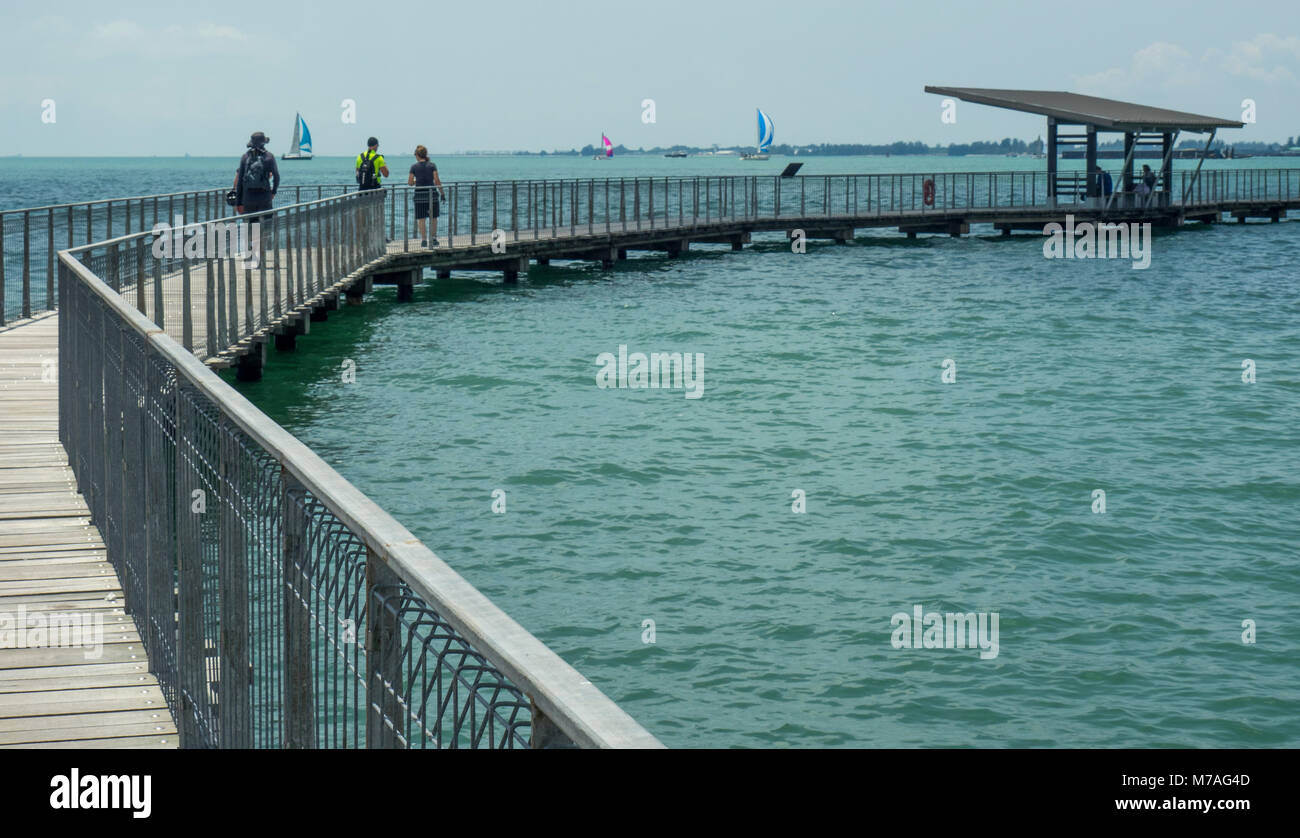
x: 370, y: 166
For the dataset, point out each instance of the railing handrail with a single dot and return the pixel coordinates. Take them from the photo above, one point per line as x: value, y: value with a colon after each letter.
x: 127, y: 237
x: 480, y: 182
x: 47, y: 207
x: 576, y: 706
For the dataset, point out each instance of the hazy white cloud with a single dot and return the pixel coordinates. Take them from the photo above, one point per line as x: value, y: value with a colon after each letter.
x: 1265, y: 58
x: 1159, y: 65
x: 165, y: 42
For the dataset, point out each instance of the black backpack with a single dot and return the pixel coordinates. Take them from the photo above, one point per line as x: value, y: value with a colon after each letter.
x: 255, y: 173
x: 366, y: 173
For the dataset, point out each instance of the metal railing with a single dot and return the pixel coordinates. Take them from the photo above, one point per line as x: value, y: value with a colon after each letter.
x: 214, y: 283
x: 531, y: 209
x: 525, y: 209
x: 31, y: 238
x: 278, y: 605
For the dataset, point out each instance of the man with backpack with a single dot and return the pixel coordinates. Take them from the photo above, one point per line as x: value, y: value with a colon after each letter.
x: 256, y: 181
x: 370, y: 166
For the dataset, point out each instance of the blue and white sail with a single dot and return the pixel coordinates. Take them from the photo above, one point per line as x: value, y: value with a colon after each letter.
x: 304, y: 143
x: 765, y: 130
x: 301, y: 148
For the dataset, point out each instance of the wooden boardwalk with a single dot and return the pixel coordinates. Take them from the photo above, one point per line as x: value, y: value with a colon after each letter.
x: 54, y: 570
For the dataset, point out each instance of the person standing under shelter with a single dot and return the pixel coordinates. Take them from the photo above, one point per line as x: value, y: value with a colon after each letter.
x: 424, y: 176
x: 256, y: 181
x: 1105, y: 185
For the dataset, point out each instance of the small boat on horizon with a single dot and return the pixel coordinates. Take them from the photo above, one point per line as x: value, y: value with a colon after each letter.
x: 765, y: 132
x: 675, y: 154
x: 609, y: 148
x: 301, y: 148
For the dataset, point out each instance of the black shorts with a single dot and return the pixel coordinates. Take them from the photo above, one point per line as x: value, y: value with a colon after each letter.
x: 256, y: 202
x: 424, y: 210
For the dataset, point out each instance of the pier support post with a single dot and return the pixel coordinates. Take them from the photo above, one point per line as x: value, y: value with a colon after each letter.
x: 622, y: 253
x: 250, y: 365
x: 320, y: 314
x: 357, y: 291
x: 543, y: 261
x: 513, y: 268
x: 444, y: 273
x: 286, y: 339
x: 404, y: 279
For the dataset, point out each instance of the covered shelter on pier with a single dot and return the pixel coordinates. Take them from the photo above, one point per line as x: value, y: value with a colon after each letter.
x: 1141, y: 125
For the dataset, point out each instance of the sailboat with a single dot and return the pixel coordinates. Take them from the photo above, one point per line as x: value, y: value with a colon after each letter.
x: 764, y: 138
x: 609, y: 149
x: 301, y: 148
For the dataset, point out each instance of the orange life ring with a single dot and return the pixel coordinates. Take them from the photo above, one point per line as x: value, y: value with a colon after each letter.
x: 927, y: 192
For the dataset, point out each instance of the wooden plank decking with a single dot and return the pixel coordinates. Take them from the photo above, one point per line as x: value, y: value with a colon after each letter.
x: 53, y: 562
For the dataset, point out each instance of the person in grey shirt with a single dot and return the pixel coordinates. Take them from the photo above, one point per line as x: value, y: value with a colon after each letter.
x: 425, y: 174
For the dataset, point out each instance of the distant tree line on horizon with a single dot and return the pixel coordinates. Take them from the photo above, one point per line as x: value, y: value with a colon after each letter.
x: 902, y: 148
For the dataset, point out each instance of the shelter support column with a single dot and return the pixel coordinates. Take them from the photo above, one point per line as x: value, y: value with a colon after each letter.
x: 1091, y: 163
x: 1126, y: 177
x: 1051, y: 160
x: 1166, y: 149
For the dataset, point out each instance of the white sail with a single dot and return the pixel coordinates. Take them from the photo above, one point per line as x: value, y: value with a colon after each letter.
x: 301, y: 147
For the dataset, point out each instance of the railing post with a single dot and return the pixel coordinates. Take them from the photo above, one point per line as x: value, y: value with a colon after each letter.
x: 384, y: 717
x: 212, y: 306
x: 50, y: 303
x: 2, y: 268
x: 27, y: 264
x: 190, y: 659
x: 139, y: 274
x: 299, y: 701
x: 225, y: 301
x: 114, y: 268
x: 545, y: 734
x: 158, y: 293
x: 187, y: 304
x: 473, y: 213
x: 292, y: 299
x: 236, y: 674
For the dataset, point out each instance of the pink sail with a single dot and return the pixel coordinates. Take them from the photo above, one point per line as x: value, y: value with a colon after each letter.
x: 609, y: 147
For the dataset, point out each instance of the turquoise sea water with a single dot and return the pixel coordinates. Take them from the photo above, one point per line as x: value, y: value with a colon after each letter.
x: 823, y: 374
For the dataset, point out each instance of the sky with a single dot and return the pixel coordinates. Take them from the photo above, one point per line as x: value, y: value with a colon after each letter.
x: 125, y: 79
